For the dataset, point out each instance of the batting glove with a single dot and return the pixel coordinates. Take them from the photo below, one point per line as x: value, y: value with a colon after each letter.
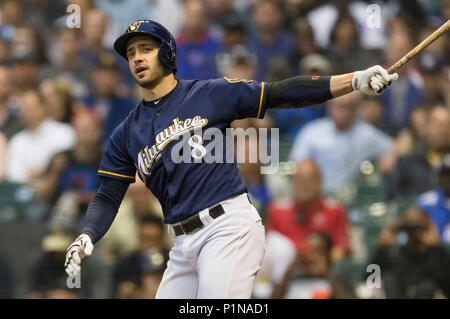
x: 81, y: 247
x: 373, y: 80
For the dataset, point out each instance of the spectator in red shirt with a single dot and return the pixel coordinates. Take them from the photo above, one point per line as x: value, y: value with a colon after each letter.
x: 310, y: 212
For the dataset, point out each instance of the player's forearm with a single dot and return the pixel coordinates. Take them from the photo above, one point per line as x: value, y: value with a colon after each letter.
x: 341, y: 84
x: 103, y: 208
x: 299, y: 91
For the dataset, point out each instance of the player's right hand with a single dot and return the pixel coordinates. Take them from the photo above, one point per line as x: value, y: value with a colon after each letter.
x: 81, y: 247
x: 373, y: 80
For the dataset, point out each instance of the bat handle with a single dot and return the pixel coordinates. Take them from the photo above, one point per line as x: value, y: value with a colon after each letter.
x: 396, y: 66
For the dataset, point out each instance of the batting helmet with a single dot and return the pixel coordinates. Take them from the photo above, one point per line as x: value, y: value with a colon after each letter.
x: 167, y: 50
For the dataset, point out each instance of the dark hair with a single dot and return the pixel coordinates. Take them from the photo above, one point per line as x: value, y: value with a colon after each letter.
x: 152, y: 219
x: 325, y: 238
x: 340, y: 20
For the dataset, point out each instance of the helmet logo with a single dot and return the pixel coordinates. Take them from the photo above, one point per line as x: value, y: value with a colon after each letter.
x: 134, y: 26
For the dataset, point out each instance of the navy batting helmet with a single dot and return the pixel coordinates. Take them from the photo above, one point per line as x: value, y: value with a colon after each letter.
x: 167, y: 50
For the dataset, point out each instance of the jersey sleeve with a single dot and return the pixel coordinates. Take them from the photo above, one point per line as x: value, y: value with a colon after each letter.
x: 238, y: 98
x: 116, y: 163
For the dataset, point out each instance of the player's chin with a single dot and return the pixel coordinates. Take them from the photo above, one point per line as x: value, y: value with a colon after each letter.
x: 146, y: 82
x: 141, y: 79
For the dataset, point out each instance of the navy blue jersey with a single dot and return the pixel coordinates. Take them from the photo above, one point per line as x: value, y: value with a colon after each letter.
x: 144, y: 142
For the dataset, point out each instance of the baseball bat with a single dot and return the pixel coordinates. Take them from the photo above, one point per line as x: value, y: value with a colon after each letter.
x: 418, y: 48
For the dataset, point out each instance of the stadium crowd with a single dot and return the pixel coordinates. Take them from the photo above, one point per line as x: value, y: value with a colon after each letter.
x: 362, y: 180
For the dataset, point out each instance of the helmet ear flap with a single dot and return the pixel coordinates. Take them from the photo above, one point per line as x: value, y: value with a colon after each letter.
x: 168, y: 56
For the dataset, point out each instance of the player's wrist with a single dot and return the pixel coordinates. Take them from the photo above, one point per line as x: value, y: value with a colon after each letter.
x: 89, y: 235
x: 355, y: 80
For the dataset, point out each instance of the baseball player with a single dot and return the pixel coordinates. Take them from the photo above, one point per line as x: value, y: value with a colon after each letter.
x: 219, y: 238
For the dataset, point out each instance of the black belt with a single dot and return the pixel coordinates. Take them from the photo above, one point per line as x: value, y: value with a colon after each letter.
x: 193, y: 223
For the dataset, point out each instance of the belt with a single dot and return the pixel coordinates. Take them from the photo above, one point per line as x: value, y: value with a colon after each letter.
x: 193, y: 223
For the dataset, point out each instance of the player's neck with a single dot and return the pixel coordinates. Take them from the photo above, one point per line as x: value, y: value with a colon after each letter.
x: 163, y: 88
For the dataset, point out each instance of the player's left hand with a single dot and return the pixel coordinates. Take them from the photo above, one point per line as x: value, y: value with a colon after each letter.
x: 373, y: 80
x: 81, y: 247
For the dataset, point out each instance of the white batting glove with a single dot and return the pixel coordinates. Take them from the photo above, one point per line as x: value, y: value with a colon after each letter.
x: 373, y: 80
x: 81, y: 247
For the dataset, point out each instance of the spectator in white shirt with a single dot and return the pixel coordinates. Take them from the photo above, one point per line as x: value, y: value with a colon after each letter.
x: 339, y: 143
x: 30, y: 150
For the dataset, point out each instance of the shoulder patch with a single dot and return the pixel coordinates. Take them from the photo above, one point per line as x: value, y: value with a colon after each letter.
x: 236, y: 80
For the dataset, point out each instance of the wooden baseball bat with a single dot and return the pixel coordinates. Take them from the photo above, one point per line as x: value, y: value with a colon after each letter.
x: 422, y: 45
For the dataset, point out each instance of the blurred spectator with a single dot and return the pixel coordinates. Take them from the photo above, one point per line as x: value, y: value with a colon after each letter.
x: 3, y: 153
x: 70, y: 180
x: 238, y: 63
x: 66, y: 61
x: 196, y: 47
x: 218, y: 12
x: 123, y: 12
x: 48, y: 280
x: 413, y: 263
x: 434, y: 82
x: 58, y: 100
x: 438, y: 48
x: 268, y: 41
x: 27, y: 40
x: 6, y: 278
x: 297, y: 8
x: 41, y: 139
x: 123, y: 237
x: 371, y: 111
x: 323, y: 19
x: 24, y: 72
x: 44, y: 13
x: 169, y: 13
x: 47, y: 277
x: 408, y: 140
x: 311, y: 212
x: 433, y: 66
x: 94, y: 29
x: 251, y: 172
x: 9, y: 118
x: 4, y: 50
x: 339, y: 143
x: 399, y: 101
x: 304, y: 45
x: 235, y: 33
x: 144, y: 203
x: 310, y: 277
x: 233, y: 42
x: 416, y: 173
x: 104, y: 98
x: 94, y: 43
x: 344, y: 50
x: 436, y: 203
x: 445, y: 9
x: 139, y: 274
x: 11, y: 12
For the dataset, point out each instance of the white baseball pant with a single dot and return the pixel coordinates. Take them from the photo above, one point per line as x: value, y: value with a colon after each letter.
x: 221, y: 259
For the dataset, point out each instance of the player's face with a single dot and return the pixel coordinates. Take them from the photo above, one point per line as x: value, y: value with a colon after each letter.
x: 142, y: 53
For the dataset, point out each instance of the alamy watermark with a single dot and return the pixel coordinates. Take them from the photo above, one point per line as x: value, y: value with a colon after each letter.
x: 73, y: 20
x: 374, y: 279
x: 73, y: 281
x: 373, y: 20
x: 241, y: 146
x: 193, y: 144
